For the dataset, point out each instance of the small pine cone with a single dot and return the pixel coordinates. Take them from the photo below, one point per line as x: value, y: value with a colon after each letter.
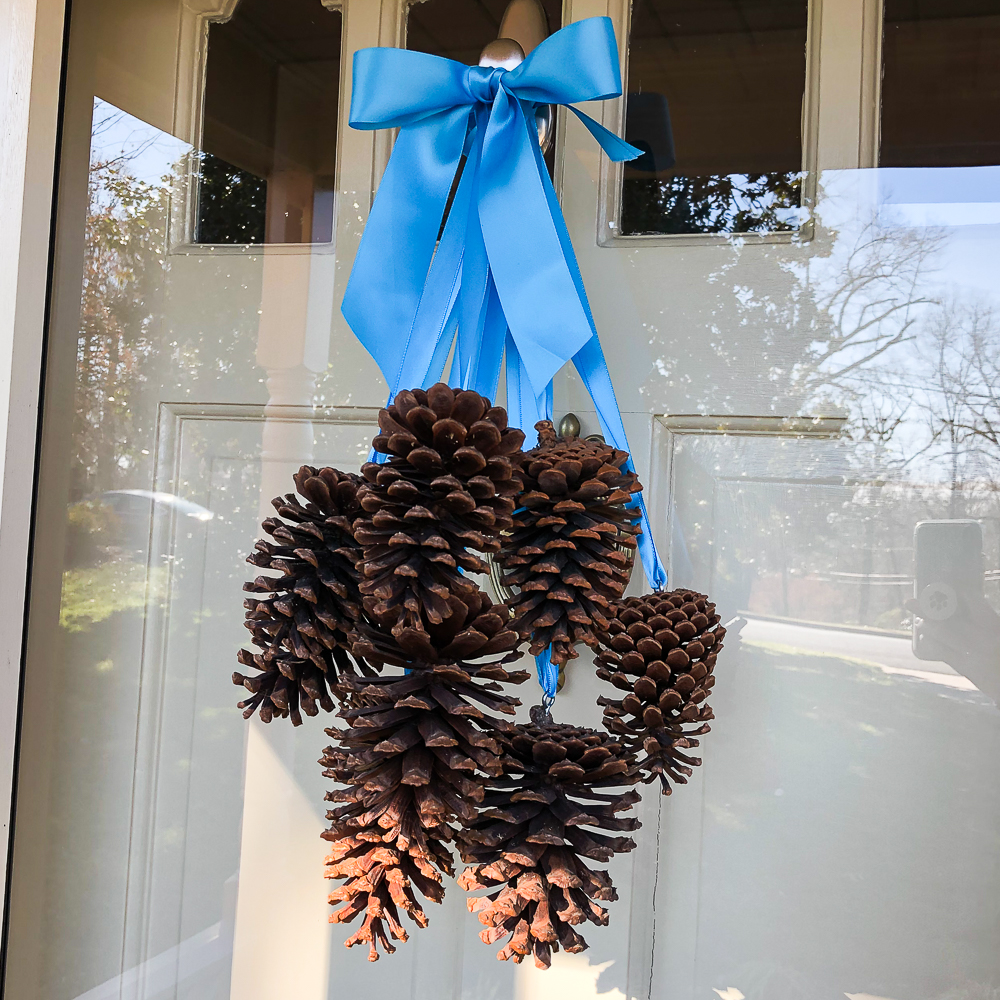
x: 564, y: 555
x: 446, y: 492
x: 529, y: 838
x: 413, y: 763
x: 661, y: 649
x: 302, y: 627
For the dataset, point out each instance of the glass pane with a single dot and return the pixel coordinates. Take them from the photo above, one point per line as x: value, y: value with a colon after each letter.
x: 269, y: 146
x: 714, y: 101
x: 940, y: 83
x: 828, y: 475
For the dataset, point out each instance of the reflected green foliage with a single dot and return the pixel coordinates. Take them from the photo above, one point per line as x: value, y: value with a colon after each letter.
x: 231, y: 203
x: 731, y: 203
x: 103, y: 576
x: 124, y: 264
x: 153, y: 325
x: 92, y: 594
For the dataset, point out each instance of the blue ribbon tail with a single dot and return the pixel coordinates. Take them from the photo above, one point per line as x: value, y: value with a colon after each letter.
x: 386, y: 286
x: 524, y: 407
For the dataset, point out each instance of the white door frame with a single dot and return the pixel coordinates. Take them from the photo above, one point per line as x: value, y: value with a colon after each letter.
x: 31, y: 57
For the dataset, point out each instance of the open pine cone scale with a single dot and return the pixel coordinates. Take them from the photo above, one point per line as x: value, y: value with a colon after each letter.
x: 413, y: 763
x: 444, y: 495
x: 302, y: 626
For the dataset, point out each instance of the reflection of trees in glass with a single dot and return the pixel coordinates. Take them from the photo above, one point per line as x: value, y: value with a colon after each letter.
x: 124, y: 265
x: 104, y: 576
x: 152, y: 326
x: 864, y: 327
x: 231, y: 203
x: 962, y: 352
x: 868, y: 296
x: 732, y: 203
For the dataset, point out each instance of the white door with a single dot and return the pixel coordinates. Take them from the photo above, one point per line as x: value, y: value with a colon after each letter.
x: 805, y: 346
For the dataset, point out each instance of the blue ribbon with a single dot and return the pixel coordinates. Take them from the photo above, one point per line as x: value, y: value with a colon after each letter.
x: 502, y: 279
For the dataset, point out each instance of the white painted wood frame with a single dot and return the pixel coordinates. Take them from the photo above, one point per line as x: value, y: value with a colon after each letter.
x: 31, y: 35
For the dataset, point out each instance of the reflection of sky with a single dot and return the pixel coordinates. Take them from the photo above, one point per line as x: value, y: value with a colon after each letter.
x: 964, y: 202
x: 150, y: 152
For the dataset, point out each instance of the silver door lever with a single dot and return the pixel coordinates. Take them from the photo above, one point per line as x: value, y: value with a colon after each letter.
x: 522, y: 28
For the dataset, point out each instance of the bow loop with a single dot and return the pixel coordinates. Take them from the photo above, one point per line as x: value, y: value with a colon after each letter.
x: 394, y: 88
x: 577, y: 63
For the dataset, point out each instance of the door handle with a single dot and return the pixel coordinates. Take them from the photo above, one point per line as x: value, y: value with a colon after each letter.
x: 523, y: 26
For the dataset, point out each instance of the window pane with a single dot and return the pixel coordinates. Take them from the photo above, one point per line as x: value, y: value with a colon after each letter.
x: 270, y: 135
x: 715, y: 92
x: 941, y: 83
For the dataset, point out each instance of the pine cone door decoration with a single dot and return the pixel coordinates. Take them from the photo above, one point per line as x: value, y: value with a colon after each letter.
x: 528, y: 844
x: 445, y: 493
x: 372, y: 603
x: 661, y: 649
x: 565, y: 561
x: 420, y: 745
x: 301, y: 628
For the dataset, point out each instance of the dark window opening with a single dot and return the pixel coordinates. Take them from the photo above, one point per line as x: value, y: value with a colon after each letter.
x: 715, y: 93
x: 269, y: 142
x: 941, y: 83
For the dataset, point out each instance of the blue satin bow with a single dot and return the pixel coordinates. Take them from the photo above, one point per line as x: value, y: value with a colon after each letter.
x: 503, y: 274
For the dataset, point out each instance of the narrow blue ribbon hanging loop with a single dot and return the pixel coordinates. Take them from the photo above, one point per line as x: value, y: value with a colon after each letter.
x: 501, y: 273
x: 548, y: 677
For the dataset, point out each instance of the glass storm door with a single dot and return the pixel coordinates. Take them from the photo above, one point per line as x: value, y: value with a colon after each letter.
x: 795, y: 286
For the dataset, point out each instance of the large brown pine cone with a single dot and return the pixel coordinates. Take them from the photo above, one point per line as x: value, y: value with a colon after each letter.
x: 661, y: 649
x: 446, y: 492
x: 564, y: 555
x: 301, y: 628
x: 413, y: 763
x: 529, y: 838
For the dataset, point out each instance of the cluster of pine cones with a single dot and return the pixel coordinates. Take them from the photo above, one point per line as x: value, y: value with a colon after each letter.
x: 372, y: 607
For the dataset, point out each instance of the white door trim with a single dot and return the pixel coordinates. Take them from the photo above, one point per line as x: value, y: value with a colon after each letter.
x: 31, y: 36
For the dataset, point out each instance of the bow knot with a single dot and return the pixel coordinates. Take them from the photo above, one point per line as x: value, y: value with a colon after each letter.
x: 483, y: 82
x: 502, y: 271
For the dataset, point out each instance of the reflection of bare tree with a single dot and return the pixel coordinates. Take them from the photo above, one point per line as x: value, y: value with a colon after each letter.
x: 963, y: 408
x: 917, y: 375
x: 867, y: 301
